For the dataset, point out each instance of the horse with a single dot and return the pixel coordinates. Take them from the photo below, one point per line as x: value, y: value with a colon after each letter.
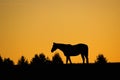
x: 72, y: 50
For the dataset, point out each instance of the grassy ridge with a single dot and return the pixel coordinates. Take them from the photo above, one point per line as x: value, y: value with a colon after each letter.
x: 60, y: 71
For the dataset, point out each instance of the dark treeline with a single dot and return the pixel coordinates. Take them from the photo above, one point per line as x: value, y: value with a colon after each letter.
x: 39, y: 68
x: 24, y: 69
x: 39, y: 59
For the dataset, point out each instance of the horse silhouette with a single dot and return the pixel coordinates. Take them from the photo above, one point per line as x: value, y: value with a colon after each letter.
x: 72, y: 50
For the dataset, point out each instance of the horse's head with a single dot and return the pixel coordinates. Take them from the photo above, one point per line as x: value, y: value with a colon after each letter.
x: 53, y: 47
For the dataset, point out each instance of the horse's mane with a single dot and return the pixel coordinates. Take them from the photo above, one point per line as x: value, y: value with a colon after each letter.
x: 70, y: 45
x: 64, y: 44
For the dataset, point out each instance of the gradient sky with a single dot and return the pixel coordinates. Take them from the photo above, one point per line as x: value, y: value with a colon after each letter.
x: 29, y: 27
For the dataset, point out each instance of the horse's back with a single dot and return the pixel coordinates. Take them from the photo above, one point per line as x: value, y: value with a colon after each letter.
x: 83, y: 48
x: 81, y: 45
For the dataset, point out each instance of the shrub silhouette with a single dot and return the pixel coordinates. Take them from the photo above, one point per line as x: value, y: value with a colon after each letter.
x: 35, y: 60
x: 48, y: 61
x: 101, y: 59
x: 1, y: 60
x: 8, y: 62
x: 22, y: 62
x: 40, y: 59
x: 56, y: 59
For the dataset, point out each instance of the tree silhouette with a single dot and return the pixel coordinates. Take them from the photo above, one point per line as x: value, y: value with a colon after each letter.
x: 8, y: 62
x: 48, y: 61
x: 35, y: 60
x: 56, y: 59
x: 22, y: 68
x: 40, y: 59
x: 101, y: 59
x: 1, y: 60
x: 22, y: 61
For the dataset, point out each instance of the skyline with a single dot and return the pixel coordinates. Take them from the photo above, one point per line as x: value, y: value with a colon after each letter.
x: 29, y: 27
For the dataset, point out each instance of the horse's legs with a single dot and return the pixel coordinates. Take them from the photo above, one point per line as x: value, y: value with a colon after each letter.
x: 68, y: 58
x: 87, y: 61
x: 83, y: 59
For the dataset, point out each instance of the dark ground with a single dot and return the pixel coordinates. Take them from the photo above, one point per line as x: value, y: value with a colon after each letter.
x: 62, y: 72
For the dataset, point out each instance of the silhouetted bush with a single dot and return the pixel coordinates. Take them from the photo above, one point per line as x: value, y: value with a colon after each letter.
x: 1, y: 60
x: 35, y: 60
x: 48, y: 61
x: 8, y: 62
x: 22, y: 62
x: 101, y: 59
x: 56, y: 59
x: 40, y: 59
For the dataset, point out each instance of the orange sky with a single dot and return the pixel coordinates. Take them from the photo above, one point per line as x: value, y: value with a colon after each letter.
x: 28, y: 27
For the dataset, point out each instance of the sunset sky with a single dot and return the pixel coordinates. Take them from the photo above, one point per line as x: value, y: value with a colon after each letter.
x: 29, y: 27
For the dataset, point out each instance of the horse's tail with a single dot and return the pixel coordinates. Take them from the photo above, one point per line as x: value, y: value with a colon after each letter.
x: 87, y: 54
